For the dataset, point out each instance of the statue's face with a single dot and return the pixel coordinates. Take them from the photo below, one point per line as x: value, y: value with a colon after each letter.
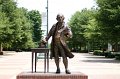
x: 60, y: 18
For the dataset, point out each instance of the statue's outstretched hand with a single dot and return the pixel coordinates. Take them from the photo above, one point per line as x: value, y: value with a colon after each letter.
x: 44, y: 41
x: 68, y: 35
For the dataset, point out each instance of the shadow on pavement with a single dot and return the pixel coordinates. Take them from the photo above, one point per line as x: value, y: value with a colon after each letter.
x: 97, y: 57
x: 8, y: 54
x: 102, y: 61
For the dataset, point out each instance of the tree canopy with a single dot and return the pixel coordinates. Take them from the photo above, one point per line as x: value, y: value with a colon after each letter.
x: 96, y: 26
x: 79, y: 23
x: 19, y: 28
x: 109, y: 19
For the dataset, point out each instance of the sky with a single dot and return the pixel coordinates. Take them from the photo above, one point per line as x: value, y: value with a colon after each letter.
x: 66, y: 7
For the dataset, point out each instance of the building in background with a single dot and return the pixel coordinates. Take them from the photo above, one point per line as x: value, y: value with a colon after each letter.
x: 44, y: 23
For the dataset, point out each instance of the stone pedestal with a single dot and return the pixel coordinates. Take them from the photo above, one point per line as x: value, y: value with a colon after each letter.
x: 29, y: 75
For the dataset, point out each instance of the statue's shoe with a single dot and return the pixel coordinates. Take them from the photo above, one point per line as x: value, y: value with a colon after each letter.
x: 57, y: 71
x: 68, y: 72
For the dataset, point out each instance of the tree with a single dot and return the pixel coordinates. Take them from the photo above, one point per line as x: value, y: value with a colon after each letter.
x: 19, y: 28
x: 22, y: 27
x: 4, y: 30
x: 109, y: 20
x: 6, y: 8
x: 35, y: 18
x: 78, y: 24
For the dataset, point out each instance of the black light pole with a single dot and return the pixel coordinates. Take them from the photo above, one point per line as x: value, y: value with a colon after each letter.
x: 47, y: 16
x: 47, y: 21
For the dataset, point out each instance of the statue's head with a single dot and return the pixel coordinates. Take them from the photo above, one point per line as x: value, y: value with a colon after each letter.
x: 60, y: 17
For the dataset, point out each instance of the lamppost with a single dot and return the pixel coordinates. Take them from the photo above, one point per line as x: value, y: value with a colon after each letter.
x: 47, y: 21
x: 47, y: 16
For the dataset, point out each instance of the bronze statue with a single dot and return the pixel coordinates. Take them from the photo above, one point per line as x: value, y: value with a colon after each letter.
x: 59, y: 33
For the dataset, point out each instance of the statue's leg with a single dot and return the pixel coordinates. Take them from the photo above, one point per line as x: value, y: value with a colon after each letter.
x: 65, y: 61
x: 57, y: 60
x: 57, y: 65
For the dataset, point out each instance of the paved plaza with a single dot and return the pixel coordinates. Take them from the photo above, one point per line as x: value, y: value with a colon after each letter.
x: 96, y: 67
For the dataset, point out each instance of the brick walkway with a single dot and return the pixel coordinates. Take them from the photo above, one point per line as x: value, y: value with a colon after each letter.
x: 12, y: 64
x: 96, y: 67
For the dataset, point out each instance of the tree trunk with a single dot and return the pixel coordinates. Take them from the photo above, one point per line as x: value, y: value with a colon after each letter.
x: 116, y: 47
x: 1, y: 51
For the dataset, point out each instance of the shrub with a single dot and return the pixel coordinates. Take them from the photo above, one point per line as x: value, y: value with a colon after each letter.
x: 97, y: 52
x: 109, y: 54
x: 117, y: 56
